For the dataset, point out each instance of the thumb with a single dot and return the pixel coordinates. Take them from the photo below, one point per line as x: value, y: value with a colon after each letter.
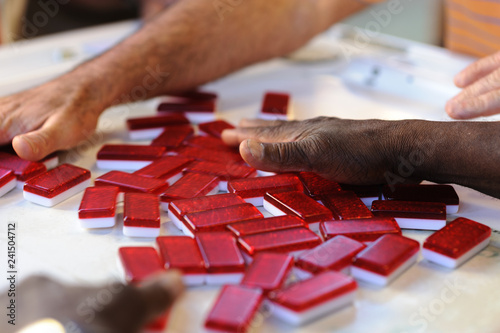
x: 34, y: 145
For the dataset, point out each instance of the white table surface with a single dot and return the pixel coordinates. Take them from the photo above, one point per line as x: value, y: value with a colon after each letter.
x: 426, y: 298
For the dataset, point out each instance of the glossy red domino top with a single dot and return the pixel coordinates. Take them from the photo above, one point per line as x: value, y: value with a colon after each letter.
x: 286, y: 240
x: 363, y: 230
x: 189, y: 186
x: 268, y: 271
x: 173, y: 136
x: 457, y: 237
x: 98, y: 202
x: 275, y: 103
x: 127, y: 182
x: 363, y: 191
x: 156, y: 121
x: 346, y: 205
x: 234, y: 309
x: 209, y: 142
x: 130, y: 152
x: 220, y: 252
x: 426, y: 193
x: 215, y: 128
x: 56, y: 181
x: 334, y: 254
x: 139, y: 263
x: 181, y: 252
x: 6, y: 176
x: 409, y: 209
x: 164, y: 167
x: 300, y: 205
x: 257, y: 187
x: 23, y: 169
x: 199, y: 204
x: 141, y: 210
x: 315, y: 185
x: 312, y: 292
x: 226, y: 171
x: 197, y: 95
x: 217, y: 219
x: 212, y: 155
x: 386, y: 254
x: 207, y: 106
x: 265, y: 225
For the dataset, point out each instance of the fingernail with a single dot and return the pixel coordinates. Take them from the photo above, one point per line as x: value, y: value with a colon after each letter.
x: 256, y: 149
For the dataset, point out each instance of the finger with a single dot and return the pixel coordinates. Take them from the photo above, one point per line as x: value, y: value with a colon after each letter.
x: 486, y: 84
x: 477, y: 70
x: 282, y: 132
x: 484, y: 105
x: 246, y: 122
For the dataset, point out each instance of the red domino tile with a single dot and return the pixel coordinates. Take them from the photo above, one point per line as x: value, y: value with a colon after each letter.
x: 220, y: 252
x: 207, y: 106
x: 286, y: 240
x: 268, y: 271
x: 457, y: 237
x: 275, y: 103
x: 199, y: 204
x: 217, y: 219
x: 426, y: 193
x: 56, y: 181
x: 257, y: 187
x: 335, y: 254
x: 23, y: 169
x: 203, y: 154
x: 130, y: 152
x: 363, y: 191
x: 98, y: 202
x: 156, y: 121
x: 6, y: 176
x: 226, y: 171
x: 139, y: 263
x: 298, y: 204
x: 234, y: 309
x: 265, y: 225
x: 141, y: 210
x: 363, y: 230
x: 127, y: 182
x: 387, y: 254
x: 173, y: 136
x: 346, y: 205
x: 209, y: 142
x: 197, y: 95
x: 315, y: 185
x: 181, y: 252
x: 189, y: 186
x: 215, y: 128
x: 165, y: 167
x: 409, y: 209
x: 314, y: 291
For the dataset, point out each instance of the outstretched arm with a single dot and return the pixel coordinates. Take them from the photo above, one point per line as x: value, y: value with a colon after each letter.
x: 193, y: 42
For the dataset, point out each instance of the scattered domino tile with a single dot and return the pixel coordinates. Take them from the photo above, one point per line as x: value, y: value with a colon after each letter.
x: 268, y: 271
x: 293, y: 241
x: 412, y: 215
x: 50, y: 161
x: 367, y: 193
x: 225, y: 172
x: 217, y: 219
x: 335, y: 254
x: 189, y: 186
x: 168, y: 168
x: 209, y: 142
x: 182, y: 252
x: 127, y: 157
x: 173, y: 136
x: 234, y: 309
x: 426, y: 193
x: 214, y: 128
x: 254, y: 189
x: 386, y: 259
x: 141, y: 215
x: 56, y: 185
x: 211, y: 155
x: 7, y: 181
x: 177, y: 209
x: 315, y: 185
x: 275, y: 106
x: 298, y: 204
x: 139, y: 263
x: 145, y: 128
x: 98, y: 207
x: 270, y: 224
x: 311, y: 299
x: 127, y: 182
x: 23, y: 169
x: 456, y: 243
x: 198, y: 107
x: 362, y: 230
x: 345, y: 205
x: 223, y: 259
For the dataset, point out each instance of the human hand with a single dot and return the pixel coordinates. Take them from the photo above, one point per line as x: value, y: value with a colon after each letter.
x: 347, y: 151
x: 149, y: 8
x: 481, y: 90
